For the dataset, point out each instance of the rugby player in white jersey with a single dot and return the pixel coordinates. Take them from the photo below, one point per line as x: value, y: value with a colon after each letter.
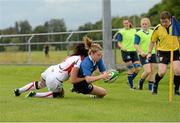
x: 54, y: 76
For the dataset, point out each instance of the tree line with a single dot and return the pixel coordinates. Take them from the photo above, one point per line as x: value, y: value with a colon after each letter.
x: 58, y: 25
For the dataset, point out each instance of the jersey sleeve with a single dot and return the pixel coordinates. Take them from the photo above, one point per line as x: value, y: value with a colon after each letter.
x: 77, y: 63
x: 101, y: 65
x: 119, y: 37
x: 136, y: 39
x: 154, y: 36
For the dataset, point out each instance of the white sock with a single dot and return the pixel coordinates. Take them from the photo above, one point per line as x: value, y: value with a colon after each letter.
x: 29, y: 87
x: 44, y: 95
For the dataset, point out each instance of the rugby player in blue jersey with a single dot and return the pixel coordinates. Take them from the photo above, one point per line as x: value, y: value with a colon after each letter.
x: 88, y: 66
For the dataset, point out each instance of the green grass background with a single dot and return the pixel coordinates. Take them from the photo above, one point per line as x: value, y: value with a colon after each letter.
x: 38, y: 57
x: 120, y: 104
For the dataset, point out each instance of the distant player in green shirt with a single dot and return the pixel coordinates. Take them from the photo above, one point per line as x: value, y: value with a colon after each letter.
x: 141, y: 43
x: 125, y: 39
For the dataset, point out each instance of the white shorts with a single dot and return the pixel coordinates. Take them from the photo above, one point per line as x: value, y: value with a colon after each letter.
x: 54, y: 78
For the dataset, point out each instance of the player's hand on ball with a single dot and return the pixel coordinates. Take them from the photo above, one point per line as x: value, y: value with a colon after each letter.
x: 113, y: 75
x: 105, y: 75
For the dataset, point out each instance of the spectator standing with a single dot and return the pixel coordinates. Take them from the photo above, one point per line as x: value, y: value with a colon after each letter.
x: 46, y: 49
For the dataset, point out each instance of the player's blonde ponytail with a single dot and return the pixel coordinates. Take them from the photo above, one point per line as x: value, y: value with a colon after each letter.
x: 88, y: 42
x: 92, y: 47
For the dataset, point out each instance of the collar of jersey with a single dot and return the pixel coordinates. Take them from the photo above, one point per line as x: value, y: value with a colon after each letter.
x: 147, y: 32
x: 94, y: 63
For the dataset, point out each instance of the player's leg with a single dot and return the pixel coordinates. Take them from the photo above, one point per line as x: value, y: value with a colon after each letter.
x: 30, y: 86
x: 162, y: 68
x: 176, y: 77
x: 151, y: 77
x: 144, y: 75
x: 133, y: 69
x: 136, y: 66
x: 87, y: 88
x: 126, y: 57
x: 34, y: 85
x: 98, y: 91
x: 54, y: 86
x: 49, y: 94
x: 163, y: 59
x: 131, y: 74
x: 136, y: 63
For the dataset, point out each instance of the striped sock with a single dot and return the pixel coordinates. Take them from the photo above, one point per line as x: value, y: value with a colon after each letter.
x: 29, y: 87
x: 44, y: 95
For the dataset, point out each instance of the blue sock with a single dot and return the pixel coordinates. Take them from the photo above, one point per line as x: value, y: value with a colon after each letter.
x: 141, y: 83
x: 134, y: 75
x: 130, y: 80
x: 150, y: 85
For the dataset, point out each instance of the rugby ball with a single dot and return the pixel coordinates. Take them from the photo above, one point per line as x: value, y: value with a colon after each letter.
x: 114, y: 74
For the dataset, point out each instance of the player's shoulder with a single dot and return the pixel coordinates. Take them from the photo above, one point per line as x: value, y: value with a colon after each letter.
x: 86, y: 60
x: 150, y: 30
x: 157, y: 27
x: 75, y: 56
x: 72, y: 58
x: 133, y: 29
x: 122, y: 30
x: 139, y: 31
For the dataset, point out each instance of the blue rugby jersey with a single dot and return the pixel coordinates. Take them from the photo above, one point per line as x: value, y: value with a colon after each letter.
x: 87, y: 67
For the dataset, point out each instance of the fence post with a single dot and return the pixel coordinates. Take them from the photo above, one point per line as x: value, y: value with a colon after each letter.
x: 107, y: 34
x: 29, y: 50
x: 67, y: 40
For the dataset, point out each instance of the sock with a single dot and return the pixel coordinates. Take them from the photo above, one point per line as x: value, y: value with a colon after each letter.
x: 29, y: 87
x: 176, y: 82
x: 150, y: 85
x: 134, y: 75
x: 130, y: 80
x: 141, y: 81
x: 44, y: 95
x: 157, y: 79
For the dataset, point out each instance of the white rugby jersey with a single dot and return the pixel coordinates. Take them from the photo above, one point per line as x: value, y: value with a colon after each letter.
x: 70, y: 62
x: 62, y: 70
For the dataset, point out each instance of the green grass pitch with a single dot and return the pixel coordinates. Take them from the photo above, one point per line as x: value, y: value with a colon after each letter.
x: 120, y: 104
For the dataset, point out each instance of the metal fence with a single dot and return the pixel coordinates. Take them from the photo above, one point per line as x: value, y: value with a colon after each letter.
x: 68, y: 42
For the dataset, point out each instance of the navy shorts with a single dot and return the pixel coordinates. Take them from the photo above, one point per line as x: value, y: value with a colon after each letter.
x: 83, y: 87
x: 164, y: 56
x: 144, y: 60
x: 129, y: 56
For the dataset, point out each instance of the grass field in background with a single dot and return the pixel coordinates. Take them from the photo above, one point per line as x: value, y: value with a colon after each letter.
x: 38, y: 57
x: 120, y: 104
